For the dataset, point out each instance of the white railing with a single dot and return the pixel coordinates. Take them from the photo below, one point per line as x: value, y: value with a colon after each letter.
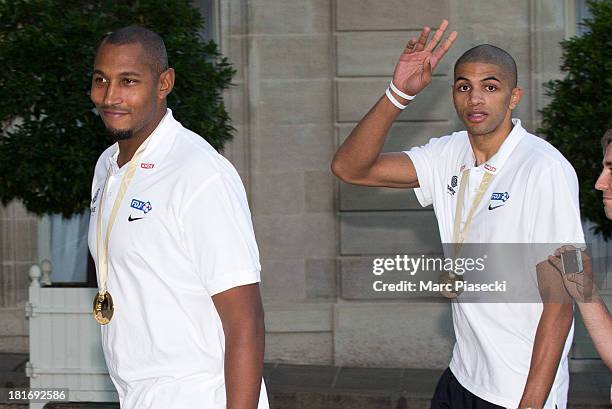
x: 65, y: 349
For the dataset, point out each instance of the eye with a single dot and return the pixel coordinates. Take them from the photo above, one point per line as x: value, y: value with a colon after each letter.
x: 129, y: 81
x: 99, y: 80
x: 490, y: 88
x: 463, y: 88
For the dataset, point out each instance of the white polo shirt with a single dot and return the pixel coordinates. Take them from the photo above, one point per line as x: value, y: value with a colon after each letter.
x: 183, y: 233
x: 533, y: 198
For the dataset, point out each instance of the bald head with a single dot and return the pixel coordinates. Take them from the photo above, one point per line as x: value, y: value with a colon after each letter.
x: 490, y: 54
x: 151, y: 43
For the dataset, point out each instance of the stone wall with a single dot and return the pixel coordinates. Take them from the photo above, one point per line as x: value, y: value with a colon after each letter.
x: 307, y: 72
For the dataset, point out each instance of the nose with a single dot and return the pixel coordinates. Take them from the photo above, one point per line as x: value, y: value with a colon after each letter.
x: 112, y: 96
x: 604, y: 182
x: 475, y: 97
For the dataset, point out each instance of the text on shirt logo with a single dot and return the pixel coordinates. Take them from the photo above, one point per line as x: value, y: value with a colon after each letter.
x: 147, y: 165
x: 95, y: 196
x: 145, y: 207
x: 92, y: 208
x: 450, y: 189
x: 490, y: 168
x: 498, y: 199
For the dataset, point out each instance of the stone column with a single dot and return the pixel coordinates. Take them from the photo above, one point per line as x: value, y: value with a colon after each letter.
x: 282, y: 109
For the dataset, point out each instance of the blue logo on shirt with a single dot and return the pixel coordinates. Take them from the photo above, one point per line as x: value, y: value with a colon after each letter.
x: 145, y: 207
x: 500, y: 196
x: 498, y: 200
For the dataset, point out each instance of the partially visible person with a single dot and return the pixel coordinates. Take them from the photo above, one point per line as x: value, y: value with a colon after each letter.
x: 581, y: 286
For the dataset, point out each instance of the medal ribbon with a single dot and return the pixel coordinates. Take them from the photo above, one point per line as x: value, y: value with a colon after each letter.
x: 459, y: 235
x: 102, y: 247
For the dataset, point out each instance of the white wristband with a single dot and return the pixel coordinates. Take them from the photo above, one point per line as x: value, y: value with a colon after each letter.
x: 400, y: 93
x: 393, y: 100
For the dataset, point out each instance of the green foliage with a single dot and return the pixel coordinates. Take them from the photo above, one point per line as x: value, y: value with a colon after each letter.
x: 47, y: 48
x: 581, y: 107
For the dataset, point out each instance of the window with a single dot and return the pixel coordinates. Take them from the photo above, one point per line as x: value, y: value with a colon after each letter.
x: 582, y: 12
x: 207, y: 9
x: 64, y: 242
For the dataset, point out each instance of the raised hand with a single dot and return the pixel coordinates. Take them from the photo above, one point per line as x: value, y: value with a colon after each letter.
x: 415, y: 66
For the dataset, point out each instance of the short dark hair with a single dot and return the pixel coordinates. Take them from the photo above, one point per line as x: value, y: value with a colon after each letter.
x: 151, y: 42
x: 490, y: 54
x: 606, y: 139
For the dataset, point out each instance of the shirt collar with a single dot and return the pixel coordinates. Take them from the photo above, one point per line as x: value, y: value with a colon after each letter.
x: 160, y: 141
x: 497, y: 161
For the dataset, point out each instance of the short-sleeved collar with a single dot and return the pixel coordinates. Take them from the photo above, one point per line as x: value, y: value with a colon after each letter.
x: 497, y: 161
x: 160, y: 140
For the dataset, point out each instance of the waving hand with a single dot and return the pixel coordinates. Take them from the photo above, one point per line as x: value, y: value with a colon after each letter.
x: 414, y: 69
x: 359, y: 160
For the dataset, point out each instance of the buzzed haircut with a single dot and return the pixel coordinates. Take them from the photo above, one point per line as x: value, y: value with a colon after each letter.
x: 490, y: 54
x: 606, y: 140
x: 151, y: 42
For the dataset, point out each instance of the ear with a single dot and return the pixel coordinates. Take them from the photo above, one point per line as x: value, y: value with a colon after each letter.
x: 515, y: 98
x: 166, y: 83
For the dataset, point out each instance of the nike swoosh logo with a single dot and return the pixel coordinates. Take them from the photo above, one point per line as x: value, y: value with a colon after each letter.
x: 493, y: 208
x: 131, y: 219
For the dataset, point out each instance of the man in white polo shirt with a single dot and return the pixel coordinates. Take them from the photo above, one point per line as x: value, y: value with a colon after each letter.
x: 515, y: 188
x: 177, y: 262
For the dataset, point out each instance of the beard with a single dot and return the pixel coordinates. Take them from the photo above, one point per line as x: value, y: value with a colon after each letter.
x: 491, y: 124
x: 119, y: 134
x: 608, y: 211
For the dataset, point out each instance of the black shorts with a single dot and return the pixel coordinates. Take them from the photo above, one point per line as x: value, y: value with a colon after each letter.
x: 450, y: 394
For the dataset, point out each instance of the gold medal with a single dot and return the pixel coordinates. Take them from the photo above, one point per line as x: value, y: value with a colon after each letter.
x: 449, y: 282
x: 103, y: 307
